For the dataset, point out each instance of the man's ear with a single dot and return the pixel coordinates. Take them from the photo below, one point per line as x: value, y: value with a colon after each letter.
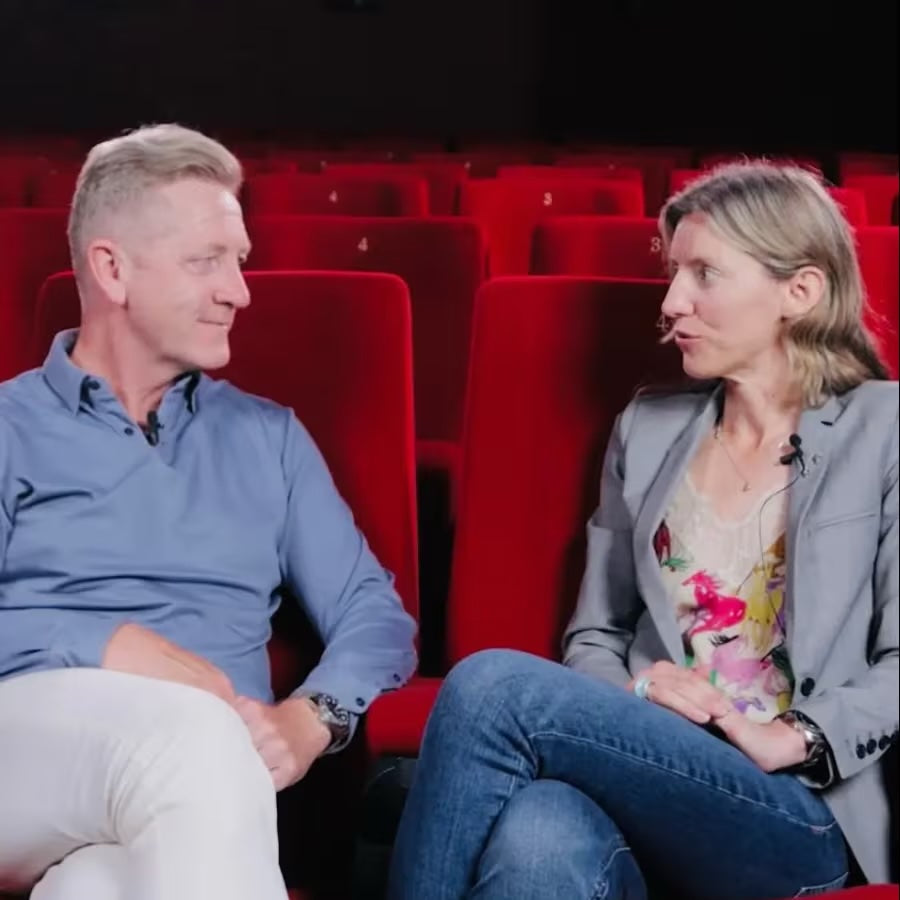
x: 109, y: 267
x: 803, y: 291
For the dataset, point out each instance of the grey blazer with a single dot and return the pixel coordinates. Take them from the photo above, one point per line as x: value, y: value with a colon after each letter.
x: 842, y: 612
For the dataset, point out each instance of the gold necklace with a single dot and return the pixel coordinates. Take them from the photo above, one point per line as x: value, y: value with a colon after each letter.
x: 717, y: 436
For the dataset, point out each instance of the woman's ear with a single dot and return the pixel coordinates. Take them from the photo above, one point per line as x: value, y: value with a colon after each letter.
x: 803, y: 291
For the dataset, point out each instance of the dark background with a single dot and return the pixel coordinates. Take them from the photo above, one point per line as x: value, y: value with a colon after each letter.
x: 788, y: 75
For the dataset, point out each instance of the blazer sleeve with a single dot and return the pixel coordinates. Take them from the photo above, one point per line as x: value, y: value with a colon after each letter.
x: 859, y: 718
x: 601, y: 630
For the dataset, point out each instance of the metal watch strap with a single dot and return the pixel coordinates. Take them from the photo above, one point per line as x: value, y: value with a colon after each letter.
x: 334, y: 717
x: 812, y: 735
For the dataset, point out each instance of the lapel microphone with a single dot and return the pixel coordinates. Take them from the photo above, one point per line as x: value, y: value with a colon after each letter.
x: 151, y: 432
x: 796, y: 453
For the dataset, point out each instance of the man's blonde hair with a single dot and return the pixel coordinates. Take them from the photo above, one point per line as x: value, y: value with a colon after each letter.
x: 786, y: 220
x: 118, y: 172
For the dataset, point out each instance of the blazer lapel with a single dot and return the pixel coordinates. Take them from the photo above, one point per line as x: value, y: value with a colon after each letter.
x: 650, y: 583
x: 815, y: 430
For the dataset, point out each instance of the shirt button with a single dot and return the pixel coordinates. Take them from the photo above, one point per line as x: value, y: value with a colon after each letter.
x: 129, y: 431
x: 860, y: 751
x: 807, y: 686
x: 884, y: 743
x: 397, y: 678
x: 360, y: 701
x: 872, y: 746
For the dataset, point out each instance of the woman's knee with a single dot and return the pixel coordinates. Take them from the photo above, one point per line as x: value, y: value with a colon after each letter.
x: 98, y: 872
x: 553, y: 835
x: 489, y: 674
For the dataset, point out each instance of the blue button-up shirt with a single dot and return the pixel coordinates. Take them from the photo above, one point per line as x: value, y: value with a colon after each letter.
x: 192, y: 537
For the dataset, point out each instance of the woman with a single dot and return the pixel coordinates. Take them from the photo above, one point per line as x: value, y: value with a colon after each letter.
x: 730, y: 675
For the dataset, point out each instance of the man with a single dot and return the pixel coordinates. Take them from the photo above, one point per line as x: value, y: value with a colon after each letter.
x: 148, y: 516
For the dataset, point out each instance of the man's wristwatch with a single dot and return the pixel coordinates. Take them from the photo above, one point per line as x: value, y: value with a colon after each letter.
x: 811, y: 733
x: 334, y: 717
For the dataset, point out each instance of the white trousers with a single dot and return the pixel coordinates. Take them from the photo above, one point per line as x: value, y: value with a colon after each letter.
x: 119, y: 787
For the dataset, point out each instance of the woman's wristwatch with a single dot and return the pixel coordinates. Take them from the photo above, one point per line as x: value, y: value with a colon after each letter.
x: 811, y: 733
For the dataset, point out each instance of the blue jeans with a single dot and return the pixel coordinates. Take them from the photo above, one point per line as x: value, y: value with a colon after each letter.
x: 536, y: 781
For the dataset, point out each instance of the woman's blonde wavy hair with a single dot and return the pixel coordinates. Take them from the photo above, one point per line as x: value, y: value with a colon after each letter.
x: 786, y: 220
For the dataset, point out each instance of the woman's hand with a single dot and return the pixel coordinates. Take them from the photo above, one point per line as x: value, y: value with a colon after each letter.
x: 684, y: 691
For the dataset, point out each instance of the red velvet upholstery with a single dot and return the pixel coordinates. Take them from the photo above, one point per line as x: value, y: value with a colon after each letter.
x: 853, y: 163
x: 16, y: 173
x: 655, y: 166
x: 878, y: 258
x: 328, y: 194
x: 554, y: 359
x: 396, y: 721
x: 442, y: 260
x: 881, y: 193
x: 508, y: 209
x: 54, y: 189
x: 444, y: 179
x: 614, y: 246
x: 611, y: 171
x: 34, y: 246
x: 853, y: 205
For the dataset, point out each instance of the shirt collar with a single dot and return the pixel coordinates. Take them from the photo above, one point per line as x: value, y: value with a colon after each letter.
x: 69, y: 382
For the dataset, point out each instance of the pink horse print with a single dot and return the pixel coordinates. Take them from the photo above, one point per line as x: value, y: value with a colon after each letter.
x: 715, y: 611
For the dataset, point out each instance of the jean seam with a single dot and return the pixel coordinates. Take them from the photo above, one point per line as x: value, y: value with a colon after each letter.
x: 601, y: 885
x: 821, y: 888
x: 722, y: 790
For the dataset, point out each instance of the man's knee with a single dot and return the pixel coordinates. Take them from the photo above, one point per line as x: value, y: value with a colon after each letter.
x: 198, y: 754
x: 98, y: 872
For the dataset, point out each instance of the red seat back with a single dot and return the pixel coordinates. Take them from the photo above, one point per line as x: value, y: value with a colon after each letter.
x: 327, y: 194
x: 444, y: 179
x: 554, y: 359
x: 617, y: 247
x: 34, y: 246
x: 881, y: 193
x: 441, y: 260
x: 336, y: 347
x: 878, y: 259
x: 508, y: 209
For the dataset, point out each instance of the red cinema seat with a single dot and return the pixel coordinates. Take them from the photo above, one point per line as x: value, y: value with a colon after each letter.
x: 854, y: 163
x: 554, y: 359
x: 877, y: 246
x: 613, y: 246
x: 284, y: 346
x: 853, y: 205
x: 34, y: 246
x: 681, y: 178
x: 337, y: 348
x: 16, y: 175
x: 444, y: 179
x: 337, y: 195
x: 442, y: 260
x: 624, y: 173
x: 484, y: 162
x: 880, y: 192
x: 655, y: 165
x: 54, y: 190
x: 508, y: 209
